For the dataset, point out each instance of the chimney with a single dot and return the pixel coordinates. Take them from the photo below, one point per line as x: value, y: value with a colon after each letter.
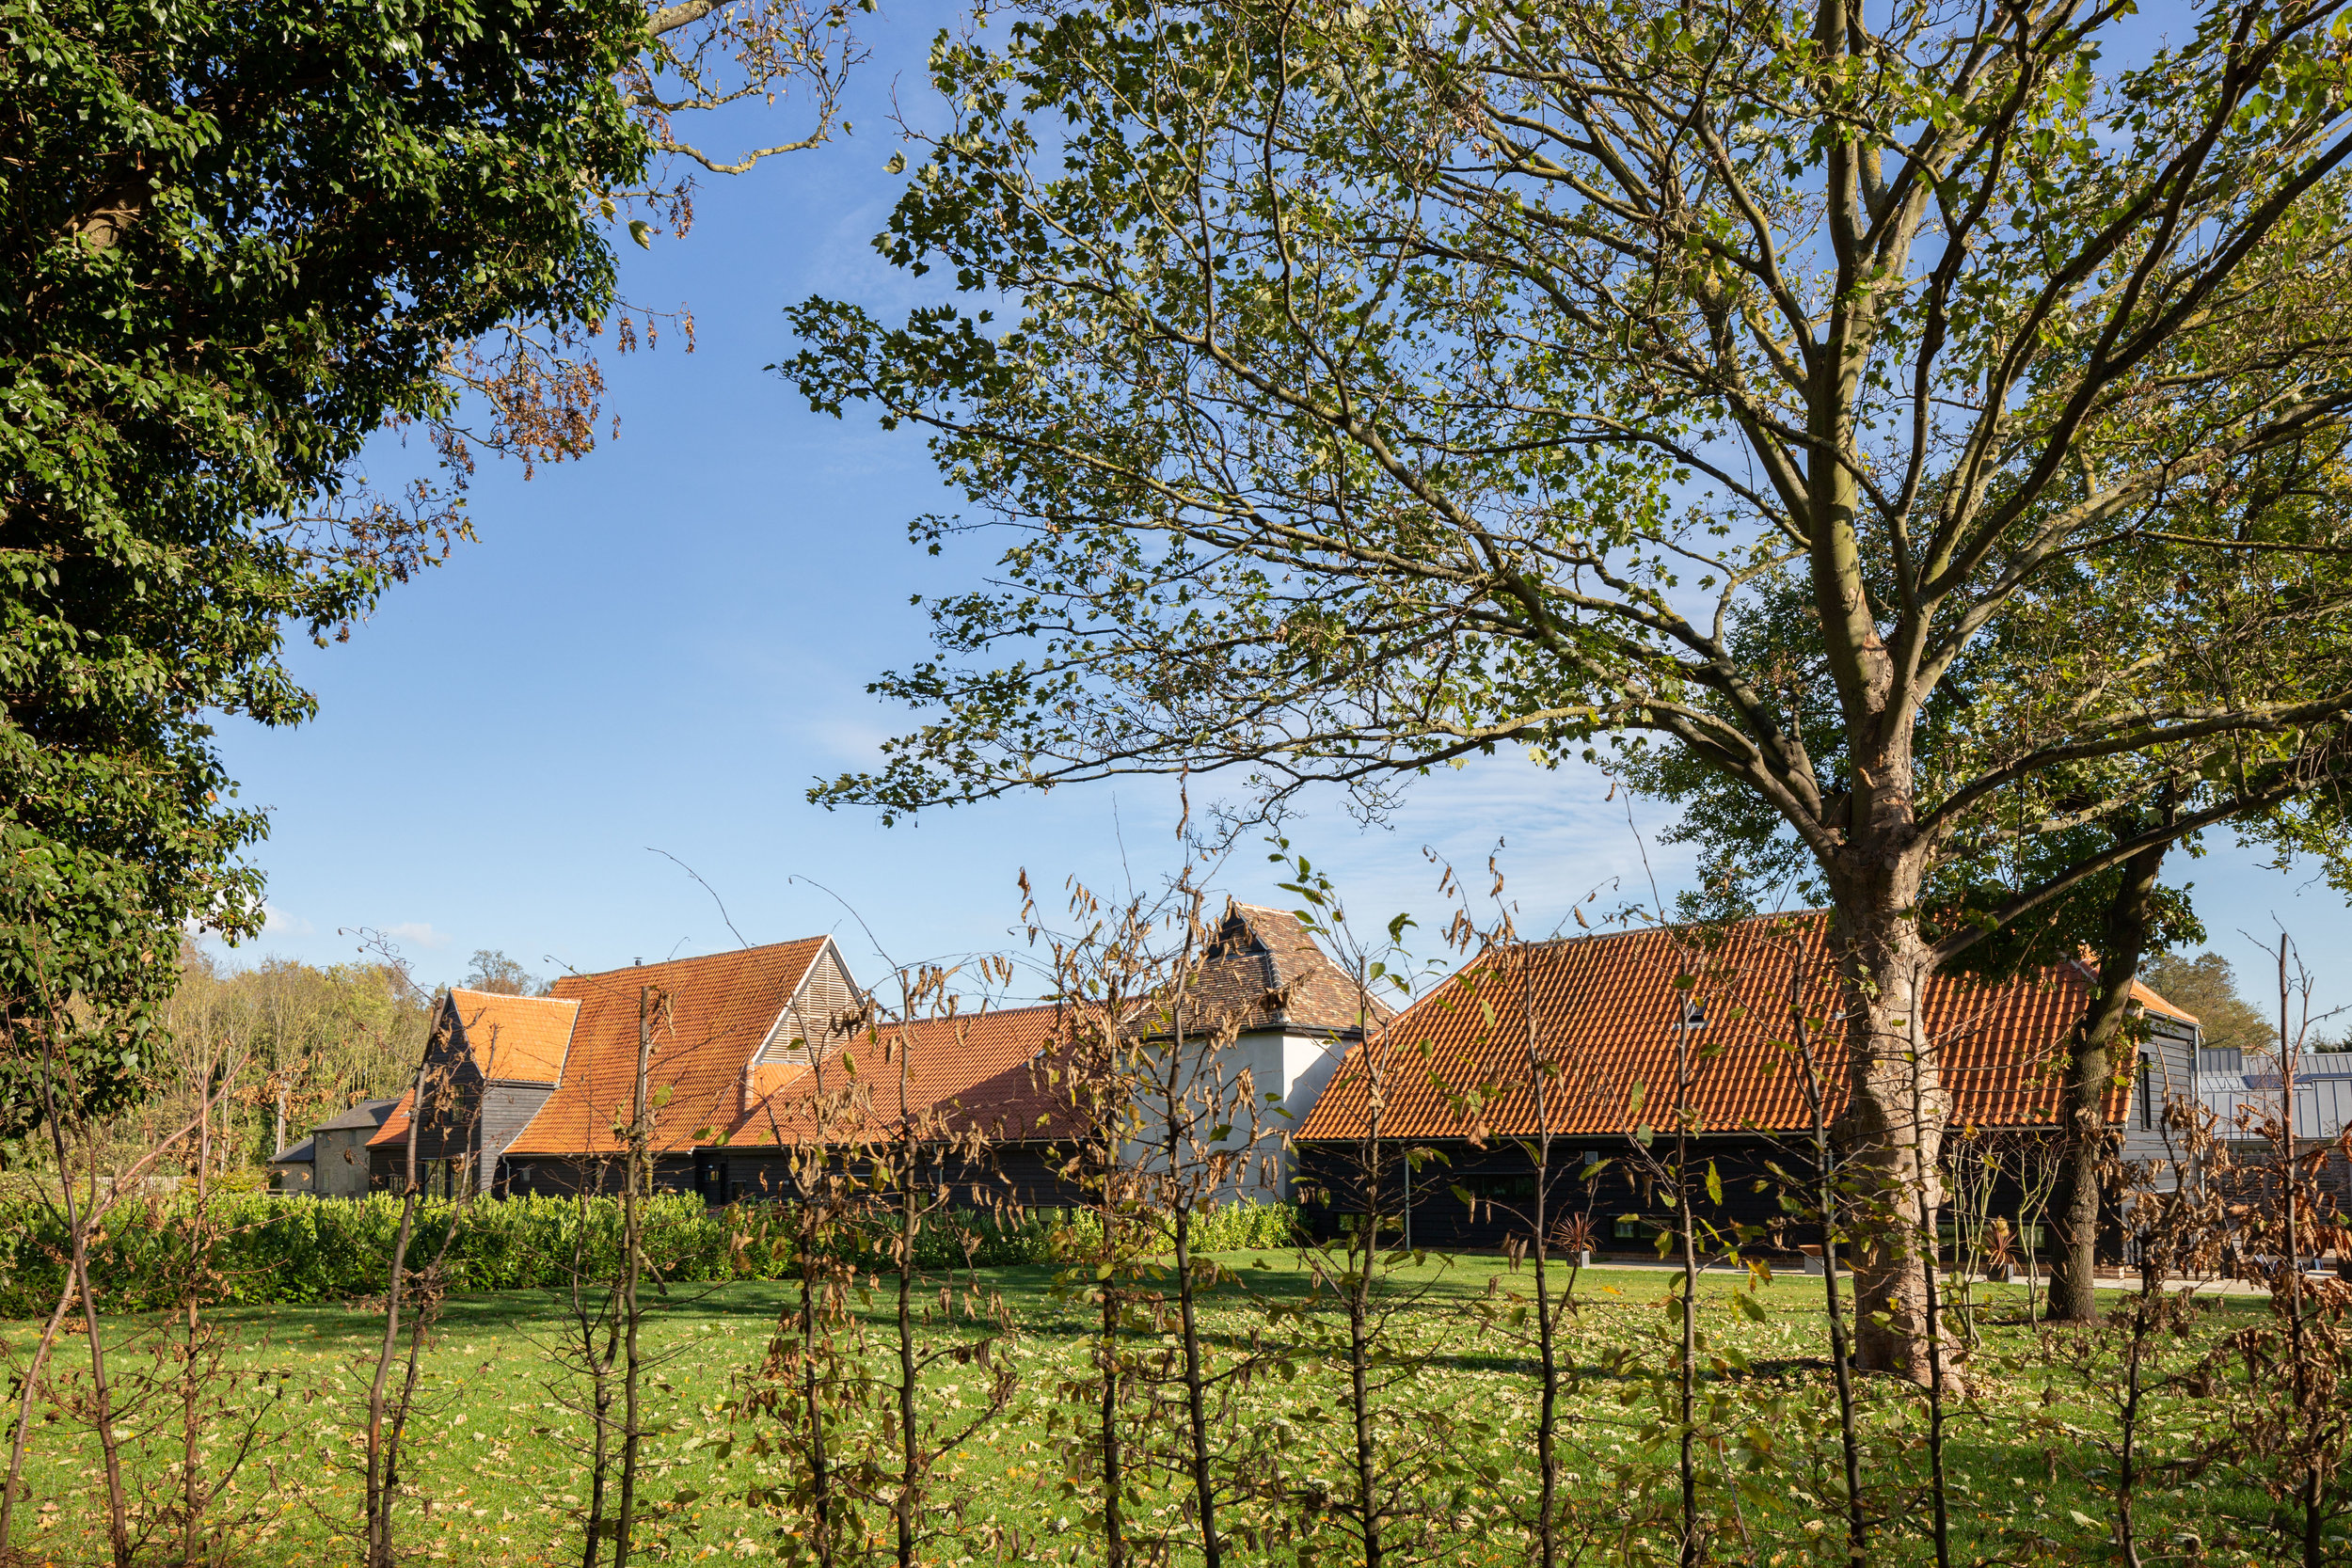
x: 639, y: 962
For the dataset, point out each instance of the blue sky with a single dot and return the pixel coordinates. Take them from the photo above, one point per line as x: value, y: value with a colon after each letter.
x: 662, y: 646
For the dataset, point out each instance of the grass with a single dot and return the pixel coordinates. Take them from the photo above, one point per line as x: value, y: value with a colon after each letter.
x: 499, y: 1477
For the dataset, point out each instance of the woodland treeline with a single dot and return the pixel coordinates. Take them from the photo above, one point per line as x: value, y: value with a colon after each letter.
x: 288, y: 1044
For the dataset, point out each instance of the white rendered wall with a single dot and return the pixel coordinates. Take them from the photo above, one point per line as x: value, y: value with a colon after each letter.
x: 1307, y: 1063
x: 1285, y: 1074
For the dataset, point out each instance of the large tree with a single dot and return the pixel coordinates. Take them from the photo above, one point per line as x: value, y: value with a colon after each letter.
x: 238, y: 242
x: 1386, y: 384
x: 236, y: 239
x: 2206, y: 986
x: 2118, y: 613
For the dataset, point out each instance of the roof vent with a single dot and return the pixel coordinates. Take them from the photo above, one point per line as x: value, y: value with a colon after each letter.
x: 639, y: 962
x: 1693, y: 1016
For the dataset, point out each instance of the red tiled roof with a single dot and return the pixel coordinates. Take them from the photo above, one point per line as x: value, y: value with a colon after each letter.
x: 1608, y: 1007
x: 515, y: 1039
x: 972, y: 1070
x: 395, y: 1125
x: 2155, y: 1004
x: 721, y: 1007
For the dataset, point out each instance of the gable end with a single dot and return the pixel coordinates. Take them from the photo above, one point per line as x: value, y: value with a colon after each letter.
x: 811, y: 1020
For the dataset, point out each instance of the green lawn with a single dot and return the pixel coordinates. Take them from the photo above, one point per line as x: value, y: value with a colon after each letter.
x: 499, y: 1479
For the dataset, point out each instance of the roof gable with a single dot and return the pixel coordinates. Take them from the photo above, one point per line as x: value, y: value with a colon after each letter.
x: 719, y: 1009
x: 1610, y: 1008
x: 1263, y: 968
x: 513, y: 1040
x: 815, y: 1016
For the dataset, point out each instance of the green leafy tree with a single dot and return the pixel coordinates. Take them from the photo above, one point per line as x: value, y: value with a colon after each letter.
x: 236, y: 242
x: 1392, y: 384
x: 2206, y: 987
x: 2121, y: 615
x: 492, y: 971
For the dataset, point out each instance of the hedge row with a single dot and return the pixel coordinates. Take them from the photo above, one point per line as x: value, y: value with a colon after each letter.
x: 292, y: 1249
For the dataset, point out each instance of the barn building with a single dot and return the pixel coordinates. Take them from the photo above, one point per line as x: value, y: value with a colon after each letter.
x: 1649, y: 1031
x: 534, y: 1094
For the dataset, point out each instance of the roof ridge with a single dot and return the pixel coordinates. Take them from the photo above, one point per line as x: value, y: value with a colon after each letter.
x: 1664, y: 928
x: 693, y: 959
x: 510, y: 996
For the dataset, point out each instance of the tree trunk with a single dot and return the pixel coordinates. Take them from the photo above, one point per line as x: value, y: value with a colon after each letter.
x: 1895, y: 1123
x: 632, y: 1262
x: 382, y: 1466
x: 812, y: 1391
x: 2090, y: 1069
x: 1113, y: 1464
x: 1195, y: 1388
x: 910, y: 1453
x: 1825, y: 1196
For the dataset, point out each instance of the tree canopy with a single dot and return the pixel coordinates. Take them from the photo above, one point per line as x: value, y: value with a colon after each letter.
x: 1859, y: 401
x: 237, y: 241
x: 2206, y: 986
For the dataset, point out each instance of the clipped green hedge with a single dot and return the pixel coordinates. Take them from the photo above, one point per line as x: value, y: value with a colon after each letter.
x: 292, y: 1248
x: 279, y: 1249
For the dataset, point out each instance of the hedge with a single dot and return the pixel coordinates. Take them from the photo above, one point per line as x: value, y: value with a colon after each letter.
x: 293, y: 1249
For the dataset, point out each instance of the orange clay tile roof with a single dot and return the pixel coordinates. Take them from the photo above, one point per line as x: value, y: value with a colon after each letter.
x: 2155, y: 1004
x: 973, y: 1071
x: 1609, y: 1007
x: 395, y: 1125
x: 510, y: 1039
x: 721, y: 1007
x: 514, y: 1039
x: 1265, y: 969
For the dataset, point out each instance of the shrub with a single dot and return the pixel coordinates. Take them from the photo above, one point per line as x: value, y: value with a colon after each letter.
x: 290, y: 1248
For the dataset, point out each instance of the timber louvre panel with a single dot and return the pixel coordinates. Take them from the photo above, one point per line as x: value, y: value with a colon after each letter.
x: 810, y: 1022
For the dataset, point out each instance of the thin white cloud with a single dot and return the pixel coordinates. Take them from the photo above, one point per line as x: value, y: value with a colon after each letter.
x: 277, y: 923
x: 418, y: 933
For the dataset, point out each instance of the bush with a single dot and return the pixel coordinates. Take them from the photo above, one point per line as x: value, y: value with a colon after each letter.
x: 290, y: 1248
x: 1047, y: 1235
x: 278, y: 1248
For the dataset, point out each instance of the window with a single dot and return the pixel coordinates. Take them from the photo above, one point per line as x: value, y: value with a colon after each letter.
x: 1500, y: 1186
x: 2147, y: 1092
x: 1628, y: 1228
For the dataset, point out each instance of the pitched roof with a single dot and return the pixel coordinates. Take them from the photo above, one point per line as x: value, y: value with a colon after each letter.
x: 974, y: 1070
x: 515, y: 1039
x: 1612, y: 1009
x: 509, y: 1039
x: 721, y: 1006
x: 1265, y: 970
x: 2155, y: 1003
x: 303, y: 1153
x: 367, y: 1113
